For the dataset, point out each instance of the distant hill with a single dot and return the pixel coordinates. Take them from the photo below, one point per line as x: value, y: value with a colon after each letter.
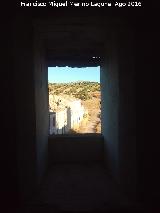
x: 83, y: 90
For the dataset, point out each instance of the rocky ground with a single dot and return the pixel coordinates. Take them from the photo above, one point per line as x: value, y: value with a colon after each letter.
x: 92, y: 123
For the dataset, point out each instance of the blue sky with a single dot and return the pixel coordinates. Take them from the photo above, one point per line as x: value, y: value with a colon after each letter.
x: 68, y: 74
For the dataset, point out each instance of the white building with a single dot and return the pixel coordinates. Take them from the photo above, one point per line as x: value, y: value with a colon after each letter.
x: 77, y: 112
x: 65, y: 113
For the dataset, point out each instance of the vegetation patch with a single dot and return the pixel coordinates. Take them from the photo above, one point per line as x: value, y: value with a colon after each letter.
x: 83, y: 90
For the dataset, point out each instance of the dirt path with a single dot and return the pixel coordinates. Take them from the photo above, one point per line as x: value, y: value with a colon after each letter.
x: 89, y: 124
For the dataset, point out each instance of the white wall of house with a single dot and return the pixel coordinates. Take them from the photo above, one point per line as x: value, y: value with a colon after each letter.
x: 52, y: 128
x: 77, y: 112
x: 61, y: 121
x: 66, y: 119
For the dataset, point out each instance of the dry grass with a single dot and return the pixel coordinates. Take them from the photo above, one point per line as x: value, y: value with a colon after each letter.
x: 93, y: 107
x: 98, y: 127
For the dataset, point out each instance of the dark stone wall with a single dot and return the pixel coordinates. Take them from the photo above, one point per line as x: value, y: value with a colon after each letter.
x: 30, y: 106
x: 76, y: 149
x: 24, y: 97
x: 41, y: 106
x: 127, y: 111
x: 110, y: 104
x: 8, y: 151
x: 147, y: 92
x: 118, y: 106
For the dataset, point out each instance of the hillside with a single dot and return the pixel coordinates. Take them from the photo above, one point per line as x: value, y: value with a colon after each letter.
x: 89, y: 93
x: 82, y: 90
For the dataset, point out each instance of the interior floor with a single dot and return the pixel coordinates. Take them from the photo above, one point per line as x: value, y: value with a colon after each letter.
x: 78, y: 187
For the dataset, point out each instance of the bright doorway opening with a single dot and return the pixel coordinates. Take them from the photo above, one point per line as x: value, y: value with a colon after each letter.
x: 74, y: 100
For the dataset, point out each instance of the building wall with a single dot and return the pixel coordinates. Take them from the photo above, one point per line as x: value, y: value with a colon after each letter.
x: 118, y: 109
x: 127, y: 112
x: 52, y: 120
x: 76, y: 149
x: 31, y: 98
x: 24, y: 96
x: 41, y: 105
x: 77, y: 112
x: 66, y: 119
x: 110, y: 105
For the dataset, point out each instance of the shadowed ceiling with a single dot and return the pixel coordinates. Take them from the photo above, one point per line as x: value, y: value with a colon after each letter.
x: 76, y: 42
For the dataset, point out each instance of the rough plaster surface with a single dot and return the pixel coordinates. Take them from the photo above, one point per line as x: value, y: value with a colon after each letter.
x: 82, y: 148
